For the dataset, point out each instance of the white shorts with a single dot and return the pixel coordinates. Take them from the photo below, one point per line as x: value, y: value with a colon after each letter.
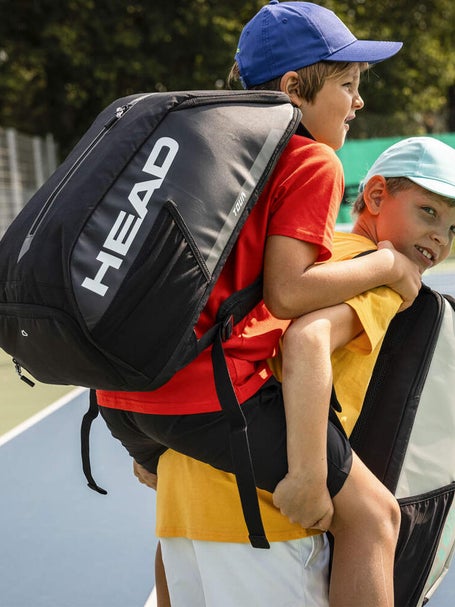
x: 221, y: 574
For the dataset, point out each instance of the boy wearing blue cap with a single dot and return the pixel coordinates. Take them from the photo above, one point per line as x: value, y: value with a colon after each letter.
x: 289, y: 229
x: 286, y: 36
x: 408, y: 198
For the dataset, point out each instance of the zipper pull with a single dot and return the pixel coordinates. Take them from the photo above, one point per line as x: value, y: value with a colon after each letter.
x: 121, y: 110
x: 24, y: 378
x: 118, y: 114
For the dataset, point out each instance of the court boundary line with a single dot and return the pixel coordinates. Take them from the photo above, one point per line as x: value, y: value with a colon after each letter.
x: 37, y: 417
x: 151, y: 601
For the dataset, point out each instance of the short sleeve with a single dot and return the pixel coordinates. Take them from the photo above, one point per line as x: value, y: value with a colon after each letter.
x: 306, y: 193
x: 375, y: 310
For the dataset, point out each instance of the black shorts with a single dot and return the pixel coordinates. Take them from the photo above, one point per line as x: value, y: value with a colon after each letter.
x: 205, y: 437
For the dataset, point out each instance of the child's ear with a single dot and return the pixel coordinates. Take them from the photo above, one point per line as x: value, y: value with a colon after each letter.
x: 290, y: 85
x: 374, y: 192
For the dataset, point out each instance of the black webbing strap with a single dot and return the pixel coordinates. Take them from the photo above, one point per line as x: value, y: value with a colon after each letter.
x: 86, y: 424
x: 237, y: 305
x: 241, y: 456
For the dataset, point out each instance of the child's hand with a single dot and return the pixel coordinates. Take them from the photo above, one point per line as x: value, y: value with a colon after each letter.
x: 144, y: 476
x: 409, y: 279
x: 304, y: 500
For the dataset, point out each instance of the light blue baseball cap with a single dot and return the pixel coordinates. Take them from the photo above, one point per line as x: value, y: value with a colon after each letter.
x: 424, y: 160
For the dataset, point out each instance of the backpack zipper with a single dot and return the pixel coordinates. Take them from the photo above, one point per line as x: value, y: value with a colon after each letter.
x: 23, y: 377
x: 119, y: 113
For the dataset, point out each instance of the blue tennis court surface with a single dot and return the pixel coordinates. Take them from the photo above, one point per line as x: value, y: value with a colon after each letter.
x: 62, y: 544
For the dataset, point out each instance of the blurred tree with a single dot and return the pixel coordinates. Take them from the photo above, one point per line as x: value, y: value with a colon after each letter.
x: 62, y: 62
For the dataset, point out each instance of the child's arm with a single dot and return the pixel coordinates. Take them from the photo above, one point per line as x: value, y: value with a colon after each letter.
x: 293, y: 286
x: 307, y: 383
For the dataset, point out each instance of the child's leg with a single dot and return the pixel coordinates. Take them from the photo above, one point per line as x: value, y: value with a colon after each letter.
x: 365, y: 527
x: 162, y: 591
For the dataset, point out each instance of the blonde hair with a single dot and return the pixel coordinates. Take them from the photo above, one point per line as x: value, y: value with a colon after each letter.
x: 400, y: 184
x: 311, y: 78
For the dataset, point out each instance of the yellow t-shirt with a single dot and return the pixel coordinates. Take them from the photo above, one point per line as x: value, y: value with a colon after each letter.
x: 199, y: 502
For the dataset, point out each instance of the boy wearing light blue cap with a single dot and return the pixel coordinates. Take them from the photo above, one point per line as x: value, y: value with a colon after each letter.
x: 408, y: 198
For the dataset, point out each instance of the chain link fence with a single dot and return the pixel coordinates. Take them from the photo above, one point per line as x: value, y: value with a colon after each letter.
x: 25, y: 163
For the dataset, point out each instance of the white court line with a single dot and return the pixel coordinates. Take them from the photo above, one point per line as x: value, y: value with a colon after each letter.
x: 34, y: 419
x: 151, y: 601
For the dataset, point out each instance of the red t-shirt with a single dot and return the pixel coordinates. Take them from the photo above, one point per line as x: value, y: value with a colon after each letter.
x: 300, y: 200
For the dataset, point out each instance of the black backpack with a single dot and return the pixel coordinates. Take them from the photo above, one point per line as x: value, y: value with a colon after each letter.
x: 104, y: 273
x: 405, y: 434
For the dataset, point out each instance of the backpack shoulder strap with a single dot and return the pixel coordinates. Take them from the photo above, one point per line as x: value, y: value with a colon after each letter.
x: 393, y: 393
x: 450, y: 299
x: 233, y: 309
x: 238, y: 437
x: 90, y: 415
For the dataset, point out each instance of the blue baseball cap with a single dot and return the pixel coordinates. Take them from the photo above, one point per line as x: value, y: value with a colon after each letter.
x: 424, y: 160
x: 285, y: 36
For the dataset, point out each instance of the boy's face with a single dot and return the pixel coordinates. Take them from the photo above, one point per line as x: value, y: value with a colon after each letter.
x: 327, y: 117
x: 418, y: 224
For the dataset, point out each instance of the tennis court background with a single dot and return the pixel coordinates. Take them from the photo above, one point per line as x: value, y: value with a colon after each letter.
x: 63, y: 545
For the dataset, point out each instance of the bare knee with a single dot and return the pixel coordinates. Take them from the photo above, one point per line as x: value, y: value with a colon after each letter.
x: 365, y: 508
x: 379, y: 519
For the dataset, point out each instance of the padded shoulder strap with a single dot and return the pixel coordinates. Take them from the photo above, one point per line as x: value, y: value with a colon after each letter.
x: 381, y: 433
x: 450, y: 299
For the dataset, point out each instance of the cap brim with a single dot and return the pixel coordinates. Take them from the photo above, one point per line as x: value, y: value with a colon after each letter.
x: 370, y: 51
x: 437, y: 187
